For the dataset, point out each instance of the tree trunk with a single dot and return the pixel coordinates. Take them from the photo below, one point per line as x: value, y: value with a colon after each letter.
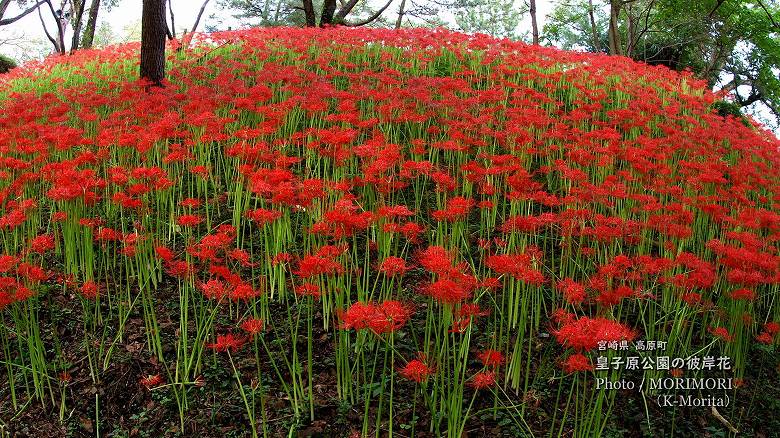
x: 78, y: 15
x: 328, y: 9
x: 593, y: 29
x: 89, y: 31
x: 400, y: 15
x: 534, y: 25
x: 308, y: 10
x: 153, y: 29
x: 614, y: 30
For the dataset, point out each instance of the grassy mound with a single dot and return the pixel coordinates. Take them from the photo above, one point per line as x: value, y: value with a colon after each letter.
x: 366, y: 232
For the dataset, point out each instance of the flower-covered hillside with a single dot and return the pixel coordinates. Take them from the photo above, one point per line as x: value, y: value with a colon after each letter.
x: 377, y: 232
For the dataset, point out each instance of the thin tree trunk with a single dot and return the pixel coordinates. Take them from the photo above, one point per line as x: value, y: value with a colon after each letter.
x: 400, y: 15
x: 614, y: 29
x: 89, y: 31
x: 46, y: 30
x: 593, y: 29
x: 60, y: 20
x: 173, y: 22
x: 630, y: 31
x: 200, y: 14
x: 534, y: 24
x: 153, y: 28
x: 186, y: 41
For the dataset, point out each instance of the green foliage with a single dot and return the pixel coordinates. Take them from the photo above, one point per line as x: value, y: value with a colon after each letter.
x: 6, y: 64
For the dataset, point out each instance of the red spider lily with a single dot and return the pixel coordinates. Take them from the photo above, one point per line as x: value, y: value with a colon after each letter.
x: 31, y: 273
x: 43, y: 243
x: 189, y: 220
x: 395, y: 211
x: 309, y: 289
x: 178, y: 268
x: 89, y: 290
x: 393, y: 266
x: 457, y: 208
x: 164, y: 253
x: 262, y: 217
x: 577, y: 362
x: 613, y: 297
x: 190, y: 203
x: 518, y: 266
x: 585, y: 333
x: 465, y: 315
x: 483, y: 379
x: 253, y: 326
x: 281, y: 258
x: 201, y: 171
x: 313, y: 265
x: 151, y: 381
x: 449, y: 291
x: 573, y: 292
x: 242, y: 257
x: 214, y: 289
x: 358, y: 316
x: 491, y: 358
x: 383, y: 318
x: 228, y: 342
x: 343, y: 220
x: 7, y: 263
x: 721, y: 333
x: 416, y: 370
x: 436, y: 259
x: 243, y: 292
x: 743, y: 295
x: 316, y: 139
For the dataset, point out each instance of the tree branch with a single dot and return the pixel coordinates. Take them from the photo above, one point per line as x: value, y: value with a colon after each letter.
x: 769, y: 15
x: 373, y: 17
x: 26, y: 12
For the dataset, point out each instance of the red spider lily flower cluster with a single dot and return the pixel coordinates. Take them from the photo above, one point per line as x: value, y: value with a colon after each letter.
x: 585, y: 333
x: 385, y: 317
x: 483, y: 379
x: 417, y: 370
x: 227, y: 343
x: 151, y: 381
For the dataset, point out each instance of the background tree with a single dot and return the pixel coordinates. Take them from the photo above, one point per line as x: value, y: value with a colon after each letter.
x: 499, y: 18
x: 733, y: 44
x: 306, y: 12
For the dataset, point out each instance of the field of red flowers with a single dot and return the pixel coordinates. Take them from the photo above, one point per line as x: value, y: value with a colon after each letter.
x: 382, y: 233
